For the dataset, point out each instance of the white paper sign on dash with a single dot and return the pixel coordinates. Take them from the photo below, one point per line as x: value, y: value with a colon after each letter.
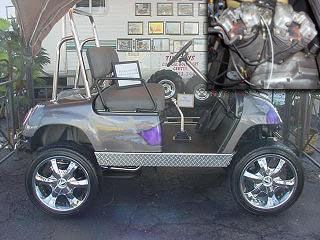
x: 185, y: 100
x: 127, y: 70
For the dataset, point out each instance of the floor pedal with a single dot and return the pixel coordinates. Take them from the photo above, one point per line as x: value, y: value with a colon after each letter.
x: 182, y: 136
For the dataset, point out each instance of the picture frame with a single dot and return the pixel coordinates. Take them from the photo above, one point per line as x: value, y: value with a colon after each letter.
x: 143, y: 45
x: 173, y: 28
x: 185, y: 9
x: 205, y: 28
x: 135, y: 28
x: 156, y: 28
x: 200, y: 45
x: 164, y: 9
x: 202, y: 9
x: 143, y: 9
x: 191, y: 28
x: 161, y: 45
x: 124, y: 45
x: 178, y: 44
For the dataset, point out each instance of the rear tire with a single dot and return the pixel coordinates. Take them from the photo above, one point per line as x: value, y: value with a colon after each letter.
x: 266, y: 180
x: 62, y: 180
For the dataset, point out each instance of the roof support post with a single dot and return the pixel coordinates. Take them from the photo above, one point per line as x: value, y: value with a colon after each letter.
x: 28, y: 75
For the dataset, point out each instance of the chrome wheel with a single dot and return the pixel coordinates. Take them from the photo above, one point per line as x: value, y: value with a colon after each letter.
x: 268, y: 181
x: 61, y: 183
x: 169, y: 88
x: 201, y: 93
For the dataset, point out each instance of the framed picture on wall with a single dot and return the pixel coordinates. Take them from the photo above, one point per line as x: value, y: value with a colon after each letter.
x: 190, y: 28
x: 200, y: 45
x: 143, y: 9
x: 165, y: 9
x: 203, y: 9
x: 173, y: 28
x: 185, y: 9
x: 156, y: 28
x: 205, y: 28
x: 143, y: 45
x: 161, y: 45
x: 124, y: 44
x: 135, y: 28
x: 178, y: 44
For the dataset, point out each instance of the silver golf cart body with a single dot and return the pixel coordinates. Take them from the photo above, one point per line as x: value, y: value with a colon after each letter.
x: 122, y: 137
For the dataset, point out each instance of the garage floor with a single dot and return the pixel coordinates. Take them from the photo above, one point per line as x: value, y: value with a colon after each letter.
x: 162, y: 203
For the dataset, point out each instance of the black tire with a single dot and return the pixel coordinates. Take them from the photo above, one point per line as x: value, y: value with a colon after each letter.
x: 75, y: 153
x: 172, y: 77
x: 243, y: 159
x: 193, y: 86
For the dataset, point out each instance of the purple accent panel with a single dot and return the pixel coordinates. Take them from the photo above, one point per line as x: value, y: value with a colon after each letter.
x: 152, y: 136
x: 273, y: 117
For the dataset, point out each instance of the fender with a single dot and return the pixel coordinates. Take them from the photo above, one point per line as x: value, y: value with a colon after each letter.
x: 117, y: 131
x: 257, y: 110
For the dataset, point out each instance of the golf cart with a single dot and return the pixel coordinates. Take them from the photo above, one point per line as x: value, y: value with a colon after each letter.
x: 118, y: 124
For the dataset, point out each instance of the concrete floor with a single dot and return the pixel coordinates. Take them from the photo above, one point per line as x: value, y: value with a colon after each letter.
x: 162, y: 204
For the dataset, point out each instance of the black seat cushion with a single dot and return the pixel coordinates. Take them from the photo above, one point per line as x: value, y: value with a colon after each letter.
x: 132, y: 98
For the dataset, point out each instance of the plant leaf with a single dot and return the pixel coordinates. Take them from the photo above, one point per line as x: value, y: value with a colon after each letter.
x: 4, y: 25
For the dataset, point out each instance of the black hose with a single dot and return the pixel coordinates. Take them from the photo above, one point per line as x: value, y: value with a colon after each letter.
x: 318, y: 67
x: 214, y: 81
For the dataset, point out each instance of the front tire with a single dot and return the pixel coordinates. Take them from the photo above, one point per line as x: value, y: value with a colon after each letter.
x: 62, y: 181
x: 267, y: 180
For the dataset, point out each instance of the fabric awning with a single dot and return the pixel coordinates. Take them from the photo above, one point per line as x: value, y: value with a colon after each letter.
x: 37, y: 17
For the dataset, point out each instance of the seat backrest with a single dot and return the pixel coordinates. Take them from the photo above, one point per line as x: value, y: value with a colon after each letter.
x: 100, y: 61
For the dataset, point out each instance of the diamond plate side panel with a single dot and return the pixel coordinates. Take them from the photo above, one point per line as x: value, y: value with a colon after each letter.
x: 163, y: 159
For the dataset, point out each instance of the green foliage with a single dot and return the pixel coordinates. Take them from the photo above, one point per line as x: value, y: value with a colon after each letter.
x: 4, y: 25
x: 11, y: 43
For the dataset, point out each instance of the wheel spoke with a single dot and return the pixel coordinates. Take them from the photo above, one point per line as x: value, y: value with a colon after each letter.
x: 55, y: 169
x: 272, y: 199
x: 51, y: 200
x: 284, y: 183
x: 263, y: 164
x: 278, y: 167
x: 255, y: 192
x: 70, y: 170
x: 73, y: 201
x: 45, y: 180
x: 78, y: 183
x: 253, y: 176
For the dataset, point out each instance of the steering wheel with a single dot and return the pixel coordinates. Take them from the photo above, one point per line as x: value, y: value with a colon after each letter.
x: 179, y: 54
